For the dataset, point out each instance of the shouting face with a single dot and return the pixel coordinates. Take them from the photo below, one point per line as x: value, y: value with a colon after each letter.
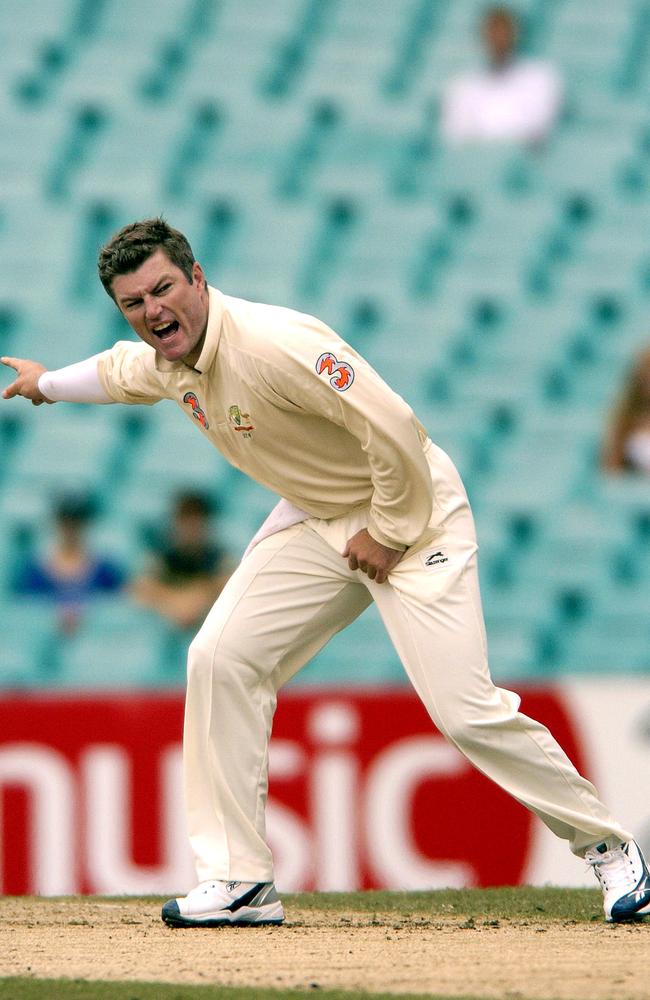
x: 166, y: 310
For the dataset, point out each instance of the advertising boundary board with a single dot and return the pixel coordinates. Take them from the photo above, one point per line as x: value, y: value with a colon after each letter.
x: 364, y: 792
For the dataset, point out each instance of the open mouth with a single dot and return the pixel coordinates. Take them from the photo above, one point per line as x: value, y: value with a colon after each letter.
x: 166, y: 330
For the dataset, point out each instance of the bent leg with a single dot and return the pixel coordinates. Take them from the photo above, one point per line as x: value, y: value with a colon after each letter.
x: 433, y: 615
x: 285, y: 600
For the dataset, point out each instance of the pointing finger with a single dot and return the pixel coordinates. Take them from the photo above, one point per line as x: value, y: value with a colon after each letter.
x: 10, y: 391
x: 10, y: 362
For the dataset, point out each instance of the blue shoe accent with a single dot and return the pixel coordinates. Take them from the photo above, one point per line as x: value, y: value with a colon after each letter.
x: 171, y: 913
x: 628, y: 906
x: 247, y: 898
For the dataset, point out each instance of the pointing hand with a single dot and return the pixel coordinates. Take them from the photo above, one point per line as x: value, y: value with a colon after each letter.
x: 26, y: 381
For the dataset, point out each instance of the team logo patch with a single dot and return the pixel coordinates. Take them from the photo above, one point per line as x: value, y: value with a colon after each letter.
x: 192, y: 400
x: 240, y: 421
x: 341, y: 374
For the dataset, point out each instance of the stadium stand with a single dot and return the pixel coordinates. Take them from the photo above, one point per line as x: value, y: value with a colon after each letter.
x: 502, y: 292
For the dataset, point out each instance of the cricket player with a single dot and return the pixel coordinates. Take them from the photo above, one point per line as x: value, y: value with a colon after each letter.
x: 371, y: 510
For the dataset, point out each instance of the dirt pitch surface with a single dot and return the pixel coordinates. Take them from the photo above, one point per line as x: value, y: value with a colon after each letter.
x: 370, y: 952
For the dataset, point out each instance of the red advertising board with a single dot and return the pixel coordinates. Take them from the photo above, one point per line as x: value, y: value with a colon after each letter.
x: 364, y: 793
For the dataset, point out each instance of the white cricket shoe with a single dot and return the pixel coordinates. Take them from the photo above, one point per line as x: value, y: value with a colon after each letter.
x: 216, y: 904
x: 624, y: 879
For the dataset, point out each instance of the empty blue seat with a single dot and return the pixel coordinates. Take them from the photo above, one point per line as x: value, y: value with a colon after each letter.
x: 117, y: 646
x: 28, y: 642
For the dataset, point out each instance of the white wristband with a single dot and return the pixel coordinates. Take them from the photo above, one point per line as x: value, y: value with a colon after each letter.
x: 78, y: 383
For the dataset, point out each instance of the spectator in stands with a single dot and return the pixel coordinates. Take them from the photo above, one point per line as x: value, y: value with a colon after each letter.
x: 69, y: 573
x: 627, y: 444
x: 513, y: 100
x: 188, y: 570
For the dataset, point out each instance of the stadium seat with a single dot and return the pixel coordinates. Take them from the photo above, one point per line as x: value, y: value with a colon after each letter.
x: 29, y: 643
x: 117, y: 646
x: 503, y: 291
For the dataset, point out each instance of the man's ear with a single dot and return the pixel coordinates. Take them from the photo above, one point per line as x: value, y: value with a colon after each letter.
x: 198, y: 275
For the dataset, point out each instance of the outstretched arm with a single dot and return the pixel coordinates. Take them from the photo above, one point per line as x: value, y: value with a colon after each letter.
x: 26, y: 381
x: 77, y: 383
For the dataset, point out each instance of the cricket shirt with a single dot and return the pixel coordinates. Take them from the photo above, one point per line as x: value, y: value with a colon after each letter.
x: 288, y: 402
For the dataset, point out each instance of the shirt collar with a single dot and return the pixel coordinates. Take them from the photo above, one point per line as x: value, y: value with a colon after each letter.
x: 211, y: 342
x: 212, y: 332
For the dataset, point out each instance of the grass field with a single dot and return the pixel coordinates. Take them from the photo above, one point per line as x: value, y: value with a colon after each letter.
x: 55, y: 989
x: 529, y: 944
x: 504, y: 903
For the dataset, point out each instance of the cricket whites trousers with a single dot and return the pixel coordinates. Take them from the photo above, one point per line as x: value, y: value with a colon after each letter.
x: 290, y: 594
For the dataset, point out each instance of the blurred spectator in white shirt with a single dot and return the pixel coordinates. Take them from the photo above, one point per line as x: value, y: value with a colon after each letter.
x: 513, y: 100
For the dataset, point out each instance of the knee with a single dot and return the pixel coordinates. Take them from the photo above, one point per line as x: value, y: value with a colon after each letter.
x: 207, y: 661
x: 460, y: 732
x: 216, y: 663
x: 471, y: 728
x: 461, y: 722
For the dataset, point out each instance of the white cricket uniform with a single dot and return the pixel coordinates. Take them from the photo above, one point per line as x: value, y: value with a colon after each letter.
x: 293, y: 406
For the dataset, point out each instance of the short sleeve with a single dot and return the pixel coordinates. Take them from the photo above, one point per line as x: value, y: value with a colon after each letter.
x: 128, y: 373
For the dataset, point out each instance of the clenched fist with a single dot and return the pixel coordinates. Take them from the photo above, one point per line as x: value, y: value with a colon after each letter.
x: 376, y: 560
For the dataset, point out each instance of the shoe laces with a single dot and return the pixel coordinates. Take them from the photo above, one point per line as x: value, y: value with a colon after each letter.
x: 614, y: 869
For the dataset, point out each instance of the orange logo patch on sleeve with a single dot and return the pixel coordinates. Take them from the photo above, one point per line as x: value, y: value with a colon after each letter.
x: 341, y: 374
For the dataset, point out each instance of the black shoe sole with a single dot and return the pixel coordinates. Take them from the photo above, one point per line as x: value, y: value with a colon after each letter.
x: 628, y: 918
x: 186, y: 923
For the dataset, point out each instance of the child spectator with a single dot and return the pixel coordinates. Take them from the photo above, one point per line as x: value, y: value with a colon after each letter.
x: 187, y: 570
x: 69, y: 573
